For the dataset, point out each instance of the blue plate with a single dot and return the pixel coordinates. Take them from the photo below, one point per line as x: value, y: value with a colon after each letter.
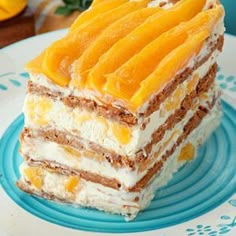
x: 197, y: 188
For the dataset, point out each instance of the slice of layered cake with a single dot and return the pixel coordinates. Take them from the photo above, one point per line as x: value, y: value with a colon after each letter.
x: 115, y: 107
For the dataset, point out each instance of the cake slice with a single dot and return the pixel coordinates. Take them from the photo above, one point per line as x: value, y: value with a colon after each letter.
x: 119, y: 104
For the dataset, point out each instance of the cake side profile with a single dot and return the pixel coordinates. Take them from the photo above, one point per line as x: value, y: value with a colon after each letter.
x: 119, y: 104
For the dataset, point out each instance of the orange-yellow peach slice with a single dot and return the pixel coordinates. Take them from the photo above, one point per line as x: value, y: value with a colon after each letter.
x: 168, y: 67
x: 95, y: 10
x: 58, y: 59
x: 10, y: 8
x: 126, y: 80
x: 62, y: 53
x: 140, y: 37
x: 110, y: 36
x: 97, y: 2
x: 35, y: 65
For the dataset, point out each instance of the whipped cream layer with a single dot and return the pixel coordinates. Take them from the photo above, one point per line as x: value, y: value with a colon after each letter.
x: 128, y: 177
x: 98, y: 196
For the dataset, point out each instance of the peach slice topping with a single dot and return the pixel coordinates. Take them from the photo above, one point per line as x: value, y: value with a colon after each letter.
x: 126, y: 80
x: 72, y: 151
x: 131, y: 44
x: 95, y: 10
x: 61, y: 54
x: 35, y: 65
x: 168, y: 67
x: 97, y: 2
x: 107, y: 39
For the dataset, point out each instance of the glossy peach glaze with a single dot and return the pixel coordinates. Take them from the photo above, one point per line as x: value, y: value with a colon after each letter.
x: 126, y: 50
x: 58, y: 58
x: 61, y: 54
x: 168, y: 67
x: 35, y: 65
x: 125, y: 81
x: 106, y: 40
x: 131, y: 44
x: 95, y: 10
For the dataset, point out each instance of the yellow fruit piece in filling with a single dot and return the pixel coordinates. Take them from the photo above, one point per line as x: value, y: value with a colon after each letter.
x: 38, y: 110
x: 187, y: 152
x: 174, y: 102
x: 72, y: 151
x: 122, y: 133
x: 71, y: 184
x: 80, y: 119
x: 34, y: 175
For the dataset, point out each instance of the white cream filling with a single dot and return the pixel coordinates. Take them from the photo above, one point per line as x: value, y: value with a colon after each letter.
x: 87, y: 193
x: 56, y: 153
x: 178, y: 130
x: 96, y: 195
x: 119, y: 202
x: 99, y: 130
x: 94, y: 130
x: 156, y: 119
x: 209, y: 123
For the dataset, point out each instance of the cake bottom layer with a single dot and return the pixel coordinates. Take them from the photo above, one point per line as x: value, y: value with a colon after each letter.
x: 51, y: 185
